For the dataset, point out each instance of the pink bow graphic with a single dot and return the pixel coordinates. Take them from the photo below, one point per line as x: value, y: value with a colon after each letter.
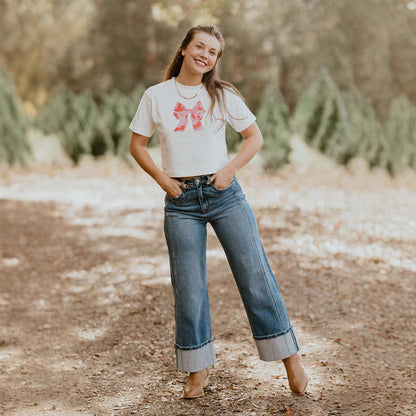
x: 181, y: 113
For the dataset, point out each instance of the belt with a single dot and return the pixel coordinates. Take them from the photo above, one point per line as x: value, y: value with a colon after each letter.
x: 196, y: 180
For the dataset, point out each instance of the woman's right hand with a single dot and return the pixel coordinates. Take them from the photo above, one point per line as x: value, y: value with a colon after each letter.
x: 171, y: 186
x: 145, y: 161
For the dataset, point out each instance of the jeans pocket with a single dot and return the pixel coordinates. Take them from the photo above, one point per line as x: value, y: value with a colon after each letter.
x: 179, y: 199
x: 218, y: 190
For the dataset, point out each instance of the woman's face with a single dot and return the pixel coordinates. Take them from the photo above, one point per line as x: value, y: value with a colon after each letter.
x: 201, y: 54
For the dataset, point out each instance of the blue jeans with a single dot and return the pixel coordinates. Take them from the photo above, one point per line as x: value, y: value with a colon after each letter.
x: 235, y: 226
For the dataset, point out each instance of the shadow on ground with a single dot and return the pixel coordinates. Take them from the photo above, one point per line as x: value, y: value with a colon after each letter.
x: 88, y: 323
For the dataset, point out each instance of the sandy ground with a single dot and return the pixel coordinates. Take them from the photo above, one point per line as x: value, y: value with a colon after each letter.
x: 86, y: 304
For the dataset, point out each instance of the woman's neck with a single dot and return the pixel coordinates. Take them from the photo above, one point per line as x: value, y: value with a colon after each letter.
x: 188, y: 79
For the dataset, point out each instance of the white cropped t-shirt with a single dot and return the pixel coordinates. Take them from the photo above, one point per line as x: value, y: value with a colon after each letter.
x: 192, y: 142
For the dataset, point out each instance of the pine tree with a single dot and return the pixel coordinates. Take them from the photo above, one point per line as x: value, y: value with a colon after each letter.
x: 77, y: 120
x: 14, y: 146
x: 400, y: 129
x: 272, y: 118
x: 367, y: 132
x: 118, y: 110
x: 320, y: 117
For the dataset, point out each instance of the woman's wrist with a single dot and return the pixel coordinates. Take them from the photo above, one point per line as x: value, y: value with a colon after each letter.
x: 232, y: 167
x: 160, y: 177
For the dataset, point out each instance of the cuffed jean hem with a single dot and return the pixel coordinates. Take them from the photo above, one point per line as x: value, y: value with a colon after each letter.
x: 277, y: 348
x: 195, y: 360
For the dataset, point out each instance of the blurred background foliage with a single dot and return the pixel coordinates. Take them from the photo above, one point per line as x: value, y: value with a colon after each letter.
x: 338, y: 73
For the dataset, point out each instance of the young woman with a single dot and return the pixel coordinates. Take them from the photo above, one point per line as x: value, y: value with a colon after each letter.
x: 190, y: 109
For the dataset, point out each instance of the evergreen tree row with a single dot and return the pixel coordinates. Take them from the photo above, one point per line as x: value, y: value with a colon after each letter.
x: 84, y: 127
x: 342, y: 126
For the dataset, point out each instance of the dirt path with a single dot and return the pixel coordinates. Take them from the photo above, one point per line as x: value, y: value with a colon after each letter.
x: 86, y: 305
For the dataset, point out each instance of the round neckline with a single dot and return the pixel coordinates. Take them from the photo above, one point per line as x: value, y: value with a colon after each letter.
x: 186, y: 86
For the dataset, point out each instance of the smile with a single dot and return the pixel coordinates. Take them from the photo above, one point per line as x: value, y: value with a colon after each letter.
x: 201, y: 63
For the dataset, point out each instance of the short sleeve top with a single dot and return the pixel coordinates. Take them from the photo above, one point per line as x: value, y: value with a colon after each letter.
x: 192, y: 142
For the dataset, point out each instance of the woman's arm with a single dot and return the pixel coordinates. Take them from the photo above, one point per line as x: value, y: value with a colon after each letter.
x: 253, y: 141
x: 141, y: 155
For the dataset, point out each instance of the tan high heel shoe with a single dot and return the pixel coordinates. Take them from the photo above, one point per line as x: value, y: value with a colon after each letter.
x: 195, y: 388
x: 299, y: 388
x: 298, y: 380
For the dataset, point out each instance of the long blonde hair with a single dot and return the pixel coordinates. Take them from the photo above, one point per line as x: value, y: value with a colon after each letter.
x: 214, y: 85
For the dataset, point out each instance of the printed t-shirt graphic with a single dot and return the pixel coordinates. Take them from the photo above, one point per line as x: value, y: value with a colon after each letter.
x: 181, y: 113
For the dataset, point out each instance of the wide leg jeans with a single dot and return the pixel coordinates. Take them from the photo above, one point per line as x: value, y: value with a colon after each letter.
x: 234, y: 223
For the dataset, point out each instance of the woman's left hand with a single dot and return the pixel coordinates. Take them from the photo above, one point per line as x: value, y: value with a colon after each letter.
x: 222, y: 178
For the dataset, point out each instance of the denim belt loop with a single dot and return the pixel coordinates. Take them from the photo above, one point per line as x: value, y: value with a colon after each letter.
x: 199, y: 179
